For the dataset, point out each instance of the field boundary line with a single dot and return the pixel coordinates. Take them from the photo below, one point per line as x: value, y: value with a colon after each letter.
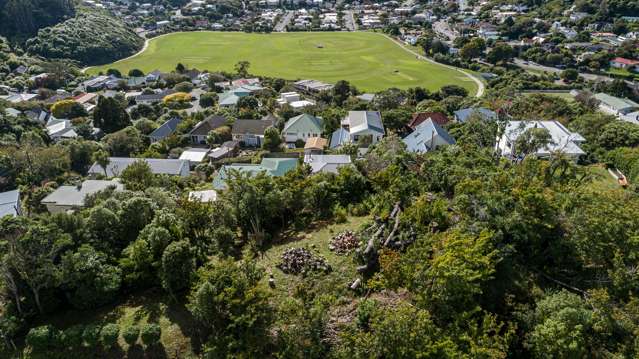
x: 480, y: 84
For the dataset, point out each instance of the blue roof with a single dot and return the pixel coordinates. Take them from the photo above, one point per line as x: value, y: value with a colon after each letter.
x: 9, y: 203
x: 339, y: 137
x: 166, y: 129
x: 464, y: 114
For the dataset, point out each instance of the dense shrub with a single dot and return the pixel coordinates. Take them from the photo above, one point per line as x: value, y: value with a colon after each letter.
x: 150, y: 334
x: 109, y: 335
x: 131, y: 334
x: 91, y: 335
x: 42, y: 338
x: 90, y: 37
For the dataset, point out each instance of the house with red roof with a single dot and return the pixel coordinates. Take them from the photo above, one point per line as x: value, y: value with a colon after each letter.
x: 623, y: 63
x: 437, y: 117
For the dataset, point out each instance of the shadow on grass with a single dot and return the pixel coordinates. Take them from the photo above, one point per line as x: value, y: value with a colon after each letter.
x: 177, y: 313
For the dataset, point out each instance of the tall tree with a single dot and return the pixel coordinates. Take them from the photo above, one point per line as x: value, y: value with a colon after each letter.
x: 110, y: 115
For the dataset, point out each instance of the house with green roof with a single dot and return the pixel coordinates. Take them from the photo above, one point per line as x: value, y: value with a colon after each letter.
x: 302, y: 127
x: 615, y: 105
x: 276, y: 167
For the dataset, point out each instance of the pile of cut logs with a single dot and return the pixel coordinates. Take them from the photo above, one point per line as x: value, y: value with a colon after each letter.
x: 302, y: 261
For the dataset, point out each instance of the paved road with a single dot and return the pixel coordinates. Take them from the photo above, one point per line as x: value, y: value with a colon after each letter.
x: 349, y: 20
x: 443, y: 29
x: 533, y: 66
x: 480, y: 85
x: 285, y: 20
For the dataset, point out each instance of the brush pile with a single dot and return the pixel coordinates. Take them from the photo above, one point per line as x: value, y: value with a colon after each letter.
x: 344, y: 242
x: 302, y: 261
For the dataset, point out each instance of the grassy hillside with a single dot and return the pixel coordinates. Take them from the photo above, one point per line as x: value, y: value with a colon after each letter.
x: 368, y: 60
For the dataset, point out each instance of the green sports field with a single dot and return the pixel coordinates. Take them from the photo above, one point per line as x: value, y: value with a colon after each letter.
x: 368, y: 60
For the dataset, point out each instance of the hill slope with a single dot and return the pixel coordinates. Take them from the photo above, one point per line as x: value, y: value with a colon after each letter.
x: 90, y: 38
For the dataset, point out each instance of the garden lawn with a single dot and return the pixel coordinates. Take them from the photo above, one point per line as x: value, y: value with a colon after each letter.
x: 316, y: 239
x: 368, y: 60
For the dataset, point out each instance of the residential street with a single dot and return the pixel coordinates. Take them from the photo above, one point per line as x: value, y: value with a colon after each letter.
x: 281, y: 26
x: 536, y: 67
x: 442, y: 28
x: 349, y: 20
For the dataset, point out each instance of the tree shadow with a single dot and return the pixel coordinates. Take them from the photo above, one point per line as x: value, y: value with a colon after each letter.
x: 177, y: 313
x: 114, y: 352
x: 156, y: 351
x: 135, y: 351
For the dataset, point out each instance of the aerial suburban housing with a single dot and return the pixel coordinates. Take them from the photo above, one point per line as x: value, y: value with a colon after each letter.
x: 319, y: 179
x: 562, y: 140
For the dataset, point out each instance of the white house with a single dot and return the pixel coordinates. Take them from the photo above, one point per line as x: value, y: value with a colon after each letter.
x: 358, y: 125
x: 427, y: 136
x: 10, y: 203
x: 561, y: 139
x: 327, y: 163
x: 302, y: 127
x: 623, y: 108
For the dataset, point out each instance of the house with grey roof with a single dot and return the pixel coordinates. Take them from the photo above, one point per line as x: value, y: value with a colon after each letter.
x: 159, y: 166
x: 149, y: 99
x: 10, y: 203
x: 327, y: 163
x: 561, y: 139
x: 302, y: 127
x: 66, y: 198
x: 465, y: 114
x: 359, y: 125
x: 166, y: 130
x: 427, y: 136
x: 201, y: 130
x: 250, y: 132
x: 312, y: 86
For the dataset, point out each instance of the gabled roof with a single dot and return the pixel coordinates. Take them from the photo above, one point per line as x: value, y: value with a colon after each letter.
x: 229, y: 98
x: 9, y: 203
x: 437, y: 117
x: 485, y: 114
x: 359, y: 121
x: 252, y: 127
x: 562, y: 139
x: 339, y: 137
x: 327, y: 163
x: 75, y: 195
x: 305, y: 120
x: 428, y: 134
x: 166, y: 129
x: 617, y: 103
x: 625, y: 61
x: 271, y: 166
x: 207, y: 125
x: 158, y: 166
x: 194, y: 154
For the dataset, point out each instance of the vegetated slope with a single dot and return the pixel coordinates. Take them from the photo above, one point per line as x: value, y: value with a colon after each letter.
x: 367, y: 60
x: 23, y: 18
x: 90, y: 38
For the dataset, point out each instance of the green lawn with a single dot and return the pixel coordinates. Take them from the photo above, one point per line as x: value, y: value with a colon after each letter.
x: 565, y: 95
x: 316, y: 240
x: 601, y: 179
x: 368, y: 60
